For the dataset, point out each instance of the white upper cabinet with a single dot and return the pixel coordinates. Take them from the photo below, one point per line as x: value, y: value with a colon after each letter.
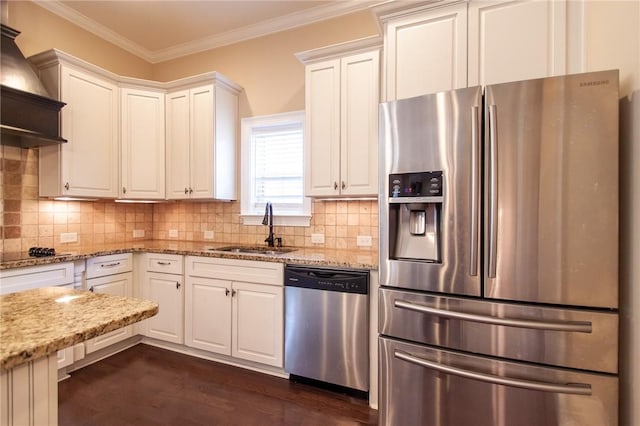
x: 430, y: 49
x: 88, y: 164
x: 359, y: 99
x: 142, y: 144
x: 341, y: 124
x: 322, y: 139
x: 426, y: 52
x: 138, y: 139
x: 201, y: 140
x: 177, y: 144
x: 516, y: 40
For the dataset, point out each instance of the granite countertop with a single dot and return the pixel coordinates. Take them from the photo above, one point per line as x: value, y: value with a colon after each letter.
x: 37, y: 323
x: 359, y: 259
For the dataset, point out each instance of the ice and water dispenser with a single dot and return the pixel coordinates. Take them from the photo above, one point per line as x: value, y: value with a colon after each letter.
x: 415, y: 206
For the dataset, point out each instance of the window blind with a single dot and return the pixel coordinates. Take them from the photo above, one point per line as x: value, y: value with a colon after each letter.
x: 277, y: 167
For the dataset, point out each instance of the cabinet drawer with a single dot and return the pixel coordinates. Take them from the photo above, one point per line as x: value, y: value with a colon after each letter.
x: 20, y: 279
x: 271, y: 273
x: 108, y: 265
x: 165, y: 263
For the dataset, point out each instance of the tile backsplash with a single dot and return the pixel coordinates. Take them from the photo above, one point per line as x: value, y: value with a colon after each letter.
x: 27, y: 220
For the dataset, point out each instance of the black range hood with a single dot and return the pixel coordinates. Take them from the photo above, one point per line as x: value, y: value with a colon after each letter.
x: 28, y: 116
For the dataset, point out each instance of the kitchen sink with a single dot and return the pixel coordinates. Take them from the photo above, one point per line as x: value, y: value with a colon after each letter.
x: 254, y: 249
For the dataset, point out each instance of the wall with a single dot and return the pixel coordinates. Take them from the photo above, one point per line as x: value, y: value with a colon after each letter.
x: 42, y: 30
x: 612, y: 41
x: 272, y: 77
x: 273, y: 81
x: 29, y: 221
x: 340, y: 222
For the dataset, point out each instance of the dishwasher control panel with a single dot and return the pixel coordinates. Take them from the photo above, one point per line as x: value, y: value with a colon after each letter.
x: 327, y: 279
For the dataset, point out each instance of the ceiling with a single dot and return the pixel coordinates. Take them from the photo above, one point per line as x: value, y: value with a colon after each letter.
x: 160, y: 30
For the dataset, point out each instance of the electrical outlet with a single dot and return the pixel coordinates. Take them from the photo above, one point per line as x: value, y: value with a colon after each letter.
x: 138, y: 233
x: 69, y: 237
x: 173, y: 233
x: 363, y: 241
x: 317, y: 238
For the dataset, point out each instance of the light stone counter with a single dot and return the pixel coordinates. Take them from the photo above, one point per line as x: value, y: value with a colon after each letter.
x: 37, y: 323
x: 34, y: 325
x: 358, y: 259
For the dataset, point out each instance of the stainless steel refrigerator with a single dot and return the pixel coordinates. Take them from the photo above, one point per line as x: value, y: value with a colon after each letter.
x: 499, y: 255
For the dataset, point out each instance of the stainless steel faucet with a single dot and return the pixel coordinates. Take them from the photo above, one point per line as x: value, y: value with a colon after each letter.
x: 268, y: 220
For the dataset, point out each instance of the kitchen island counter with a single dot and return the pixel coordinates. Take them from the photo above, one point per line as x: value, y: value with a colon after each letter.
x: 37, y: 323
x: 34, y: 325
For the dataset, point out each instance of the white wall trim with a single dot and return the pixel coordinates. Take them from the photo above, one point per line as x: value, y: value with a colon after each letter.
x: 283, y: 23
x: 92, y: 26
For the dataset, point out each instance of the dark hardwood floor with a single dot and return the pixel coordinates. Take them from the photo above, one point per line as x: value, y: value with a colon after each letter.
x: 145, y: 385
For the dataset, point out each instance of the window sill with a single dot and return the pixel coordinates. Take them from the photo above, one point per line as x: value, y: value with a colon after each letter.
x: 278, y: 220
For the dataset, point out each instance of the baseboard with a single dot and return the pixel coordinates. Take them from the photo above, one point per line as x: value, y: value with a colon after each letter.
x: 260, y: 368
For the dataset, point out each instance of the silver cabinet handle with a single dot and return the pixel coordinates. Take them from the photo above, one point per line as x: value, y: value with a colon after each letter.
x: 124, y: 190
x: 164, y: 263
x: 475, y: 141
x: 575, y: 326
x: 233, y: 293
x: 66, y: 186
x: 190, y: 191
x: 110, y: 265
x: 177, y: 285
x: 493, y: 192
x: 226, y: 291
x: 335, y: 186
x: 344, y: 185
x: 186, y: 190
x: 574, y: 389
x: 91, y: 289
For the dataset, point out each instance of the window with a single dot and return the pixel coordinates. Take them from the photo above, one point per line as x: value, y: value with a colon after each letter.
x: 272, y: 169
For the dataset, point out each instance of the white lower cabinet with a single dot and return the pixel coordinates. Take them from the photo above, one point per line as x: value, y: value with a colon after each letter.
x: 208, y: 319
x: 257, y: 323
x: 111, y: 275
x: 163, y: 283
x: 239, y: 313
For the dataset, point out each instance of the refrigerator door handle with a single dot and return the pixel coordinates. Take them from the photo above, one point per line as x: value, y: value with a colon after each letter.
x: 493, y: 192
x: 475, y: 140
x: 572, y: 388
x: 573, y: 326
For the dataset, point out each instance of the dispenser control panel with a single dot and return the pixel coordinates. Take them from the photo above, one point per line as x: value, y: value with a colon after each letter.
x: 421, y: 184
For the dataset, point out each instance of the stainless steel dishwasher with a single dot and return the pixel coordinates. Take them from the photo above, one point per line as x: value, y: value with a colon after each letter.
x: 327, y: 325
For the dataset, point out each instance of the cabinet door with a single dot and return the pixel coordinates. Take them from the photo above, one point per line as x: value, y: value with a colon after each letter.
x: 90, y: 159
x: 426, y: 52
x: 359, y: 124
x: 322, y: 128
x: 258, y: 323
x: 201, y: 129
x: 177, y: 144
x: 168, y: 292
x: 117, y: 285
x: 511, y: 41
x: 142, y: 151
x: 208, y: 314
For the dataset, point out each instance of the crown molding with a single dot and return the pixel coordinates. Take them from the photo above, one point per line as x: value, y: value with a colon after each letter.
x: 282, y: 23
x: 92, y: 26
x: 337, y: 50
